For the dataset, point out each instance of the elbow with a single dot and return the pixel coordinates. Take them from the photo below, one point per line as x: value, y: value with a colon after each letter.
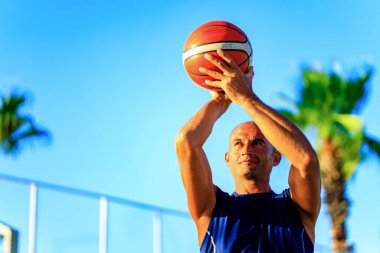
x: 312, y: 159
x: 184, y: 140
x: 310, y: 165
x: 181, y: 138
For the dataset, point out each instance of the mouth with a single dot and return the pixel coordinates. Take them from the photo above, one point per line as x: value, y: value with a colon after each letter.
x: 249, y: 161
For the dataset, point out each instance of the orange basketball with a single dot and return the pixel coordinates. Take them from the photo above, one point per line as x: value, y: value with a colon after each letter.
x: 209, y: 37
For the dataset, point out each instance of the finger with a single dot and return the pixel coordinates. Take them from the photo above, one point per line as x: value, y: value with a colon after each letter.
x: 220, y: 95
x: 213, y: 93
x: 217, y: 84
x: 221, y: 92
x: 217, y: 93
x: 231, y: 62
x: 250, y: 73
x: 211, y: 73
x: 217, y: 62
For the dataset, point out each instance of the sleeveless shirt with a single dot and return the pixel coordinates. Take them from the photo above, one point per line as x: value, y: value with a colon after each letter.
x: 255, y: 223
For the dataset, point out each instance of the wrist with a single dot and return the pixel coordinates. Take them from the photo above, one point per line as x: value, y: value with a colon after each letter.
x: 248, y: 100
x: 219, y: 105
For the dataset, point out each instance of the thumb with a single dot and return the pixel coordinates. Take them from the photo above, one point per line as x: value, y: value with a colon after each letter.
x: 250, y: 73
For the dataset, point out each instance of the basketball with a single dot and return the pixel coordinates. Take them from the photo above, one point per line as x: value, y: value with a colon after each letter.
x: 209, y: 37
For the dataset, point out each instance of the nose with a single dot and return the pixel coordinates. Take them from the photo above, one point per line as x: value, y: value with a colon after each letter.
x: 248, y: 150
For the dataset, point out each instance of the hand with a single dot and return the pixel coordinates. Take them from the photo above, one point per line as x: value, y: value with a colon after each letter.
x: 236, y: 84
x: 221, y: 98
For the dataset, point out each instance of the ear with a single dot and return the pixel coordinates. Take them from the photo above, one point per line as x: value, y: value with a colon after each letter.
x: 276, y: 158
x: 227, y: 157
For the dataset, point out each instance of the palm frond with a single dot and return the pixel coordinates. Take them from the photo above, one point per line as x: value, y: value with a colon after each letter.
x: 356, y: 93
x: 13, y: 102
x: 351, y: 123
x: 314, y: 94
x: 16, y: 128
x: 34, y: 132
x: 336, y: 89
x: 10, y: 146
x: 373, y: 145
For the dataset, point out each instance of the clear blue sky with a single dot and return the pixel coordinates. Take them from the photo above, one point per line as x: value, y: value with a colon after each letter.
x: 108, y: 81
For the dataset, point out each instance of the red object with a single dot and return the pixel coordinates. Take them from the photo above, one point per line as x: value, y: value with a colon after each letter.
x: 207, y: 38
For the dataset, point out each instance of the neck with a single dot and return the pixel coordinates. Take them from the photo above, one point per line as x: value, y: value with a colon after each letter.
x: 250, y: 187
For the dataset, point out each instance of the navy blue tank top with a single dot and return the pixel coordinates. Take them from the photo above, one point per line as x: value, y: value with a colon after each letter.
x: 256, y: 223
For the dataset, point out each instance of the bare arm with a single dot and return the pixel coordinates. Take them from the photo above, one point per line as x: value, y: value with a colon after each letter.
x: 304, y: 175
x: 195, y: 169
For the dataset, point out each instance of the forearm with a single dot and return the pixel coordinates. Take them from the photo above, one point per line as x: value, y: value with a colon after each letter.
x: 199, y: 127
x: 195, y: 169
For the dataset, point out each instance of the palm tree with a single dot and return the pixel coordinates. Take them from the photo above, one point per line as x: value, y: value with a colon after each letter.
x: 329, y: 104
x: 15, y: 127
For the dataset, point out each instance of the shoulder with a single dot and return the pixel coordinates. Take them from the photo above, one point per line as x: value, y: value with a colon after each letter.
x: 283, y: 202
x: 223, y: 200
x: 283, y: 197
x: 221, y: 195
x: 285, y: 194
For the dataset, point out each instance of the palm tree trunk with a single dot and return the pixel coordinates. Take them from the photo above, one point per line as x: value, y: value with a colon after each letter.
x: 335, y: 185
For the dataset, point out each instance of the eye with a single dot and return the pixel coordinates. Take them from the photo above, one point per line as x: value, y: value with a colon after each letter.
x: 237, y: 143
x: 258, y: 143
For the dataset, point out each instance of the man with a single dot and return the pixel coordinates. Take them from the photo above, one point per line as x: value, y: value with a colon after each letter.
x: 254, y: 218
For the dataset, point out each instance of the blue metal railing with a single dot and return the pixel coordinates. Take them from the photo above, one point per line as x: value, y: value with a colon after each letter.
x: 103, y: 199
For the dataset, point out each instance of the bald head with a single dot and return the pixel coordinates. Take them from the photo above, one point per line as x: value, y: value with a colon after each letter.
x: 248, y: 126
x: 247, y: 129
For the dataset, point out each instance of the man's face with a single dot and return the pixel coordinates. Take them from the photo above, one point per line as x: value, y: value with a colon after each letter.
x: 250, y: 155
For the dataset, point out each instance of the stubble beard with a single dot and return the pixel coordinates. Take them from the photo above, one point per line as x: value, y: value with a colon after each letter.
x: 254, y: 174
x: 250, y: 175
